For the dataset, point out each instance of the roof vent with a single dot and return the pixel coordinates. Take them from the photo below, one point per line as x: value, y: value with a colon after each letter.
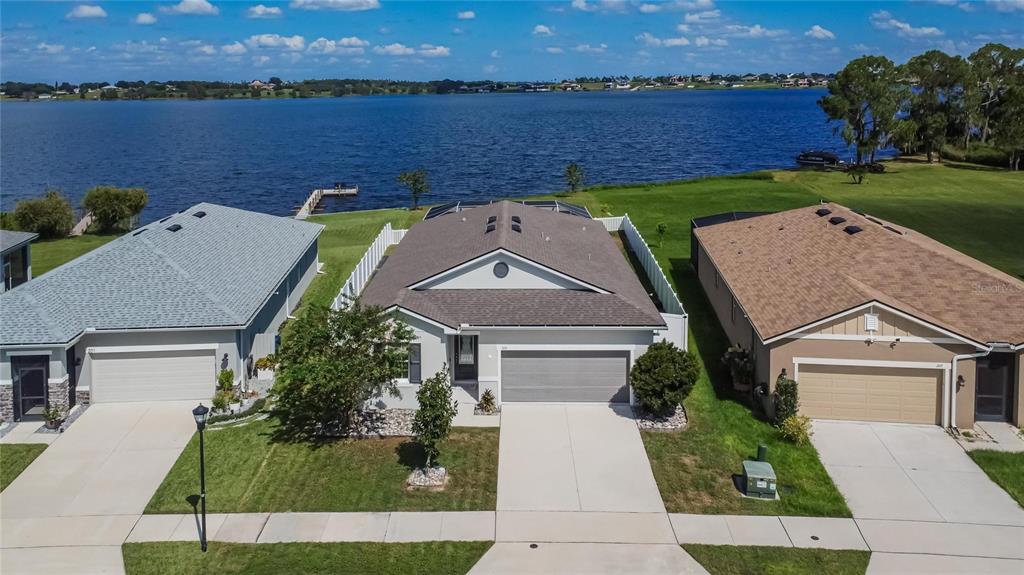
x: 836, y: 220
x: 823, y: 212
x: 139, y: 232
x: 517, y: 228
x: 165, y: 219
x: 489, y: 228
x: 851, y: 229
x: 173, y: 227
x: 517, y: 220
x: 492, y: 219
x: 200, y: 214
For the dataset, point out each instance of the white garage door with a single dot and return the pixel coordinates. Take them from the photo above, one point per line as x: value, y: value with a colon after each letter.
x: 153, y: 375
x: 597, y: 376
x: 870, y: 393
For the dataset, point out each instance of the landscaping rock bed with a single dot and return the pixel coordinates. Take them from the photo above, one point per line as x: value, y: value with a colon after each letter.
x: 384, y: 423
x: 478, y: 411
x: 646, y: 421
x: 428, y: 478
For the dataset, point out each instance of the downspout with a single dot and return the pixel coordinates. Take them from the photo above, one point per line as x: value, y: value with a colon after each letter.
x: 953, y: 380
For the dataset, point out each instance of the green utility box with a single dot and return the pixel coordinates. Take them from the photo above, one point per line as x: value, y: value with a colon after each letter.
x: 759, y: 480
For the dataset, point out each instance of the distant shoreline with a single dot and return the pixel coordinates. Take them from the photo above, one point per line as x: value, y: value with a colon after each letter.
x: 243, y: 97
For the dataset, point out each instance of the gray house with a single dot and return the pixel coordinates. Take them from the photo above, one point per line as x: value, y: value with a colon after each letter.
x: 155, y: 314
x: 16, y: 257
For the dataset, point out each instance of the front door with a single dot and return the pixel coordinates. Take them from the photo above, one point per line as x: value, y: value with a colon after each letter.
x: 465, y: 358
x: 29, y: 374
x: 994, y: 388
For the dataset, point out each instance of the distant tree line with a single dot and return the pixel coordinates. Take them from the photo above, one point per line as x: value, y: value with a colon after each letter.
x: 935, y: 104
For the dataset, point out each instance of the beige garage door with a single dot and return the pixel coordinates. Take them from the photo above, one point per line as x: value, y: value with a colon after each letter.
x: 153, y: 376
x: 870, y: 393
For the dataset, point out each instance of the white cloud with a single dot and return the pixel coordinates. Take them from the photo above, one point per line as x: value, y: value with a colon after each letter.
x: 490, y: 69
x: 542, y: 30
x: 431, y: 51
x: 1007, y: 5
x: 588, y: 49
x: 292, y: 43
x: 193, y: 7
x: 395, y: 49
x: 495, y: 54
x: 705, y: 41
x: 260, y: 60
x: 670, y: 42
x: 362, y: 61
x: 705, y: 16
x: 206, y: 50
x: 819, y: 33
x: 260, y: 11
x: 648, y: 39
x: 90, y: 49
x: 145, y: 18
x: 583, y: 5
x: 883, y: 20
x: 650, y: 8
x: 342, y: 5
x: 553, y: 50
x: 457, y: 30
x: 755, y: 31
x: 50, y: 48
x: 348, y: 45
x: 234, y: 49
x: 695, y: 4
x: 467, y: 15
x: 85, y: 11
x: 602, y: 5
x: 683, y: 27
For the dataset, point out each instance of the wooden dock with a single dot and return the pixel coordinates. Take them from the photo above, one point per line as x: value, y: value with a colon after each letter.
x: 313, y: 201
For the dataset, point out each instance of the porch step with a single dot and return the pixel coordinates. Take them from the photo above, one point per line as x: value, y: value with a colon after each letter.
x: 462, y: 396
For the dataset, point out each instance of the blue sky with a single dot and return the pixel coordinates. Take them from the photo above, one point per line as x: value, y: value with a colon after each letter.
x: 420, y: 40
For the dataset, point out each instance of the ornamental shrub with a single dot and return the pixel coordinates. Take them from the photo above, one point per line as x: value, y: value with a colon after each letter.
x: 787, y: 401
x: 487, y: 403
x: 796, y: 429
x: 226, y: 380
x: 433, y: 420
x: 663, y: 377
x: 50, y: 216
x: 113, y: 208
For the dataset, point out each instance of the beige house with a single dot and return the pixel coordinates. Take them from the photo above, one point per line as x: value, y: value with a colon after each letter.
x: 875, y: 321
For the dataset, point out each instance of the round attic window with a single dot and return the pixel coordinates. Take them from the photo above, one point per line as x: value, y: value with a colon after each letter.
x: 501, y: 269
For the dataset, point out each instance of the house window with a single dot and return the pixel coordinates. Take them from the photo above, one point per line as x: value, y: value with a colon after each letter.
x: 414, y: 363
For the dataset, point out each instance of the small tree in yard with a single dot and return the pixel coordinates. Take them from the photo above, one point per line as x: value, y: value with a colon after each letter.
x: 433, y: 420
x: 574, y: 177
x: 50, y: 216
x: 113, y: 208
x: 663, y: 377
x: 333, y: 362
x: 416, y: 181
x: 787, y: 401
x: 662, y: 229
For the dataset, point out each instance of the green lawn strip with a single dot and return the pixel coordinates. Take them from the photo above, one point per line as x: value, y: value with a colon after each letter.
x: 185, y: 558
x: 14, y: 458
x: 742, y: 560
x: 49, y: 254
x: 1006, y: 469
x: 248, y: 471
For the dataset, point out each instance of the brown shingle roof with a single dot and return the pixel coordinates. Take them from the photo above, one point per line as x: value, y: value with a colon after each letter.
x: 571, y: 245
x: 793, y: 268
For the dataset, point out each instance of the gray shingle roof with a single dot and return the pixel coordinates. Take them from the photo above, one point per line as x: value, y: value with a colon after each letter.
x: 9, y: 239
x: 217, y: 270
x: 574, y: 246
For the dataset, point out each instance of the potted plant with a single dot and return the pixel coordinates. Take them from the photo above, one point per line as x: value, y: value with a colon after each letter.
x: 52, y: 417
x: 265, y: 367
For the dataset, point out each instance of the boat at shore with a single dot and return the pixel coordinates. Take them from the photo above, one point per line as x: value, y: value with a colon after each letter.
x: 819, y: 159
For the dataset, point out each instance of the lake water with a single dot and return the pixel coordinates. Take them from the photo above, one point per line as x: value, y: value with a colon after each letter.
x: 267, y: 155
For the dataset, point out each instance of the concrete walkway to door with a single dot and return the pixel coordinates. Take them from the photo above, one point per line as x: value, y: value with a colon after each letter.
x: 71, y: 509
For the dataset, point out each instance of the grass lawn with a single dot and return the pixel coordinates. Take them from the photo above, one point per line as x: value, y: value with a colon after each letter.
x: 247, y: 471
x: 973, y: 209
x: 184, y: 558
x: 48, y: 254
x: 14, y: 458
x: 739, y: 560
x: 1006, y: 469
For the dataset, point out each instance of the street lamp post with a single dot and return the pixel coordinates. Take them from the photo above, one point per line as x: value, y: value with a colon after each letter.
x: 200, y: 414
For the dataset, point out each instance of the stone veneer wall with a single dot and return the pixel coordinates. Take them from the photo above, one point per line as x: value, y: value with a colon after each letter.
x: 57, y: 394
x: 7, y: 402
x: 82, y: 396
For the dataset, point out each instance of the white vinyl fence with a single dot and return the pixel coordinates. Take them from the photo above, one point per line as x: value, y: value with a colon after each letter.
x: 674, y: 314
x: 367, y: 265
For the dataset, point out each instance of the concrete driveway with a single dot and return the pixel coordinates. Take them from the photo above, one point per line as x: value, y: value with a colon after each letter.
x: 89, y: 487
x: 573, y: 457
x: 910, y: 473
